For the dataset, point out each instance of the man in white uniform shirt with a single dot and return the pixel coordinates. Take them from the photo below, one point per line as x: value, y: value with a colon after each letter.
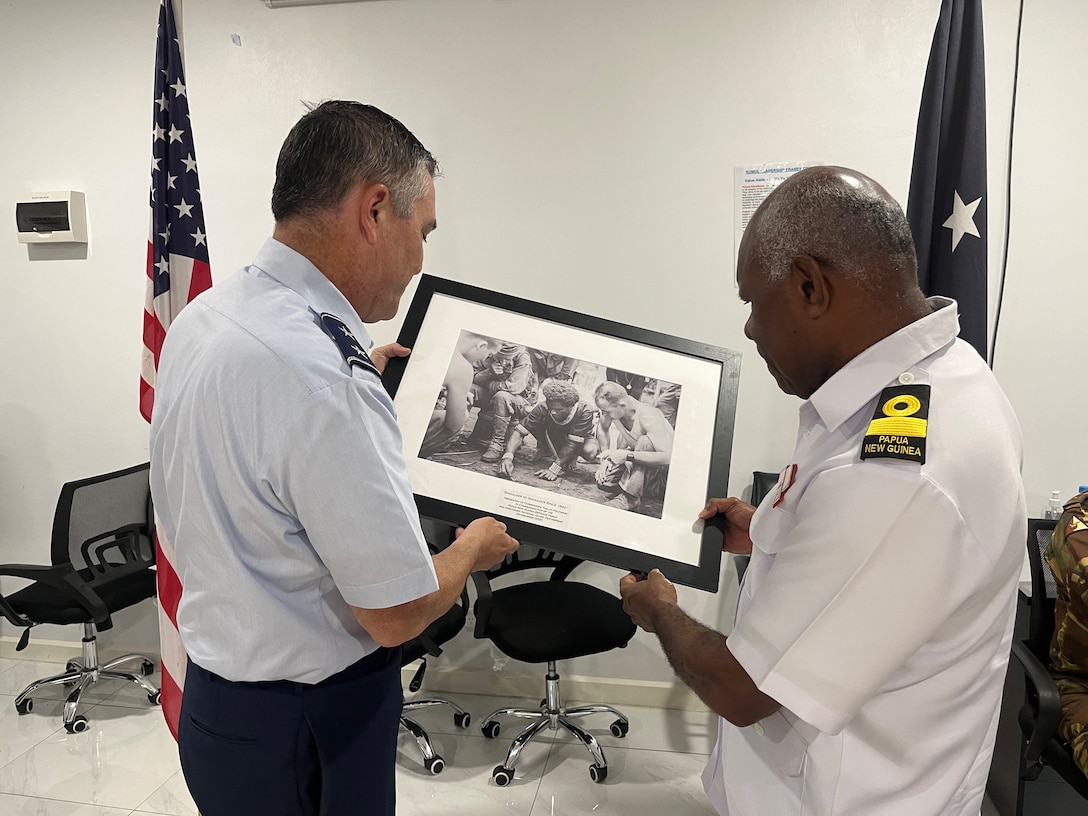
x: 864, y: 672
x: 277, y: 474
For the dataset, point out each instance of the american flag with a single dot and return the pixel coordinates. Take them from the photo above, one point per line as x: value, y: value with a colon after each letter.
x: 177, y: 271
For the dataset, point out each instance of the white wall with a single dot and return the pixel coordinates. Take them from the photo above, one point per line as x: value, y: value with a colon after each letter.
x: 588, y: 148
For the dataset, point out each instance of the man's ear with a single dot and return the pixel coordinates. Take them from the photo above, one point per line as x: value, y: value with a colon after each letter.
x: 375, y: 207
x: 812, y: 284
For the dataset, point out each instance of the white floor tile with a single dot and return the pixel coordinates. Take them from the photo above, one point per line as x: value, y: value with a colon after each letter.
x: 124, y: 757
x: 639, y: 783
x: 21, y: 732
x: 172, y: 799
x: 31, y: 806
x: 126, y: 764
x: 8, y: 663
x: 465, y: 787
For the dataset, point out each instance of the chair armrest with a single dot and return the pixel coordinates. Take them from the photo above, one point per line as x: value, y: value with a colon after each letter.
x: 123, y: 540
x: 1046, y: 705
x: 64, y: 578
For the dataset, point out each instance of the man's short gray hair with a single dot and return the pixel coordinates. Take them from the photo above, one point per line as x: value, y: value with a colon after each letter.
x: 839, y: 222
x: 339, y: 144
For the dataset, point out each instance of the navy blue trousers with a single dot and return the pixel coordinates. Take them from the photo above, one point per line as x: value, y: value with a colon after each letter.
x: 290, y: 749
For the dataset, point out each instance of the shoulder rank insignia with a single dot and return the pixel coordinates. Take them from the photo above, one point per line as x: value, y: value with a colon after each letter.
x: 898, y: 427
x: 352, y: 349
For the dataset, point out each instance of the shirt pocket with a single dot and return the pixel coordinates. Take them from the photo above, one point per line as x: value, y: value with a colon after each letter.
x: 780, y: 744
x: 771, y: 528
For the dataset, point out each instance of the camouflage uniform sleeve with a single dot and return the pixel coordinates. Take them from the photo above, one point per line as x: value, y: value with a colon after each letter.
x: 1068, y: 559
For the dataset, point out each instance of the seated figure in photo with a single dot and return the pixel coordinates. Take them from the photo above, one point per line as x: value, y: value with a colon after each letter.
x: 451, y: 412
x: 667, y: 400
x: 562, y: 426
x: 504, y: 386
x: 1068, y: 559
x: 635, y: 442
x: 549, y: 366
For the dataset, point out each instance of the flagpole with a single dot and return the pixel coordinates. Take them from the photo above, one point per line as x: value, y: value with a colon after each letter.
x: 179, y: 25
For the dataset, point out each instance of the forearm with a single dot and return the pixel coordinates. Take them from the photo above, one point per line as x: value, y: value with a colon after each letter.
x: 512, y: 445
x: 568, y: 453
x: 649, y: 458
x: 700, y: 657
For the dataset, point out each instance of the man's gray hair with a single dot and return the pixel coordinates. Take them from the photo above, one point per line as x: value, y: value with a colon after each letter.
x: 339, y: 144
x: 839, y: 222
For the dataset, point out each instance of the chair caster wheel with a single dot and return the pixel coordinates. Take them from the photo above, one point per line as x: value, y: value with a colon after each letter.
x: 544, y: 703
x: 502, y: 776
x: 147, y: 668
x: 77, y: 726
x: 462, y: 720
x: 620, y: 728
x: 435, y: 765
x: 155, y: 699
x: 72, y: 666
x: 598, y: 773
x: 490, y: 729
x: 25, y: 707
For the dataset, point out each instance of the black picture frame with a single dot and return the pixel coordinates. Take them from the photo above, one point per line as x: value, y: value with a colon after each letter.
x: 443, y: 311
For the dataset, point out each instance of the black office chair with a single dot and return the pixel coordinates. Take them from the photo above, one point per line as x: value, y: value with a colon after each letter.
x: 429, y: 644
x: 762, y: 482
x: 103, y: 554
x: 543, y: 621
x: 1039, y: 716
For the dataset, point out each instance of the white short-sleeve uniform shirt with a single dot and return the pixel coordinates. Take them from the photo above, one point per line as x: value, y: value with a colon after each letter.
x: 878, y: 605
x: 277, y: 473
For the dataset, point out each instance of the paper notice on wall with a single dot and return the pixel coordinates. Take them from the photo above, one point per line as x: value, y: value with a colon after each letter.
x: 753, y: 184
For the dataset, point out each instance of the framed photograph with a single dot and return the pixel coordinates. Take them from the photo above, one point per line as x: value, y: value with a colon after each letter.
x: 586, y: 436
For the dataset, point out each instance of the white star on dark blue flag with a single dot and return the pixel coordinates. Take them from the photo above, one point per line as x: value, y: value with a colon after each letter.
x: 175, y: 192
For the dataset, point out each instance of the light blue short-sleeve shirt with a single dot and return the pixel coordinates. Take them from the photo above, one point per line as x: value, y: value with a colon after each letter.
x: 277, y: 475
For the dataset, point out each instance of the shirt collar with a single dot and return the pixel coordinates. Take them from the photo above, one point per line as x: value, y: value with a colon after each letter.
x: 295, y: 271
x: 857, y: 382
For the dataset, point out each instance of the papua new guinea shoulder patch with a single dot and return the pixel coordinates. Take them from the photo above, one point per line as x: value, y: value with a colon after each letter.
x: 352, y: 349
x: 899, y: 424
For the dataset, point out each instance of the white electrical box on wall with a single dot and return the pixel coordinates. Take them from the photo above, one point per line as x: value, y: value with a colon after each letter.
x: 54, y: 217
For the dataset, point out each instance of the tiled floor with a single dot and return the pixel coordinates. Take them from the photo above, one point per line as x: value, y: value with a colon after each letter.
x: 126, y: 762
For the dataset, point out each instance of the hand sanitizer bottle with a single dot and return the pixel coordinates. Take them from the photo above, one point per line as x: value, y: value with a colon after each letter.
x: 1053, y: 506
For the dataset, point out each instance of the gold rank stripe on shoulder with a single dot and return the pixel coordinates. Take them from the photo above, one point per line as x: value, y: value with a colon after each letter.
x: 899, y: 425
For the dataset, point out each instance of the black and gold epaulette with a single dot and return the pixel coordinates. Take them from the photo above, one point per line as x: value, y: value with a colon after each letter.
x: 352, y: 350
x: 899, y: 424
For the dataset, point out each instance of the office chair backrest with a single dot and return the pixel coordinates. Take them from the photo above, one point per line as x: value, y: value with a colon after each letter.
x: 1043, y: 589
x: 525, y: 557
x: 104, y: 525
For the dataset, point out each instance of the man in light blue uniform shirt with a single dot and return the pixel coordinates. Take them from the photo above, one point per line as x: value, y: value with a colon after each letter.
x: 277, y: 474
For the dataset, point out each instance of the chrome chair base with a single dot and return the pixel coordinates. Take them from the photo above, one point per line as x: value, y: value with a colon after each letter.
x: 432, y: 761
x: 81, y: 674
x: 552, y: 715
